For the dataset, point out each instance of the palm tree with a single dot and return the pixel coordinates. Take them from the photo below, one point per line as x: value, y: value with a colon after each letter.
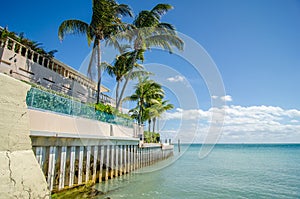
x: 159, y: 109
x: 121, y: 68
x: 148, y: 31
x: 105, y: 21
x: 146, y: 92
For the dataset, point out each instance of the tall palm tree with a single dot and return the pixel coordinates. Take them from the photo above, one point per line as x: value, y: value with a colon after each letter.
x: 146, y: 92
x: 105, y: 21
x: 148, y: 31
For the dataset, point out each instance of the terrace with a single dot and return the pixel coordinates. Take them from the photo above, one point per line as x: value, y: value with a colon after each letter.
x: 21, y: 62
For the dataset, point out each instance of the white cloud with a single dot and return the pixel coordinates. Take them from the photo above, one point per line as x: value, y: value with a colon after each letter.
x: 243, y: 124
x: 226, y: 98
x: 177, y: 78
x: 192, y: 114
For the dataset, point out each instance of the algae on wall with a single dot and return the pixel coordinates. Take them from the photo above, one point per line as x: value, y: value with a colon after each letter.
x: 83, y: 191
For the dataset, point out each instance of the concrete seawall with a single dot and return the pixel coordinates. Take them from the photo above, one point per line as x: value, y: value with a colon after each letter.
x: 68, y: 161
x: 43, y: 151
x: 20, y: 174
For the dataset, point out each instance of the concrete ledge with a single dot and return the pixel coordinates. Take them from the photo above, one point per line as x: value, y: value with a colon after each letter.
x: 79, y: 136
x: 167, y: 147
x: 65, y: 139
x: 44, y: 121
x: 151, y: 145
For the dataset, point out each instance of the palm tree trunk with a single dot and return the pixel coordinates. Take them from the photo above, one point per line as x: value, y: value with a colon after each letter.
x: 157, y: 125
x: 117, y: 93
x: 140, y: 113
x: 91, y: 62
x: 99, y: 71
x: 149, y: 125
x: 149, y: 130
x: 126, y: 80
x: 99, y: 86
x: 153, y: 124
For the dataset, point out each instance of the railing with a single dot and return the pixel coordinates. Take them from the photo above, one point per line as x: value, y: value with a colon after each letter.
x: 46, y: 61
x: 39, y: 99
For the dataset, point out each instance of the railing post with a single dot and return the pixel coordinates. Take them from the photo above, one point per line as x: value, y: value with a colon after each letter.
x: 107, y: 161
x: 31, y: 55
x: 62, y: 172
x: 80, y: 166
x: 101, y: 150
x: 112, y: 161
x: 51, y: 167
x: 13, y: 43
x: 125, y: 159
x: 121, y: 160
x: 26, y: 52
x: 72, y: 166
x: 117, y: 160
x: 42, y: 62
x: 39, y: 156
x: 37, y: 58
x: 88, y: 163
x: 5, y: 43
x: 95, y: 163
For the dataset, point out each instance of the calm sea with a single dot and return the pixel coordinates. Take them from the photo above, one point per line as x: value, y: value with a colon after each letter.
x: 230, y: 171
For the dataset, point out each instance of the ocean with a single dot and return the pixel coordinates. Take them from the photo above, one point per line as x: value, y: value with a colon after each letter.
x: 229, y: 171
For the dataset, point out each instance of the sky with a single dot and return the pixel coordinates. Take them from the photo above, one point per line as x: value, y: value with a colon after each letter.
x: 253, y: 45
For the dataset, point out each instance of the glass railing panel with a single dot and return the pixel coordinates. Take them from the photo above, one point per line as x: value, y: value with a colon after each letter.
x: 40, y: 99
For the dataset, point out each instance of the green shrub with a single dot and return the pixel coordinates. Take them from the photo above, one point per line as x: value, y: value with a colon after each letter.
x: 105, y: 108
x: 150, y: 137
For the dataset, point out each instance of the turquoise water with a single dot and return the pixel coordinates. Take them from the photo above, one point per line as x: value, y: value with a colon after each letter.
x: 230, y: 171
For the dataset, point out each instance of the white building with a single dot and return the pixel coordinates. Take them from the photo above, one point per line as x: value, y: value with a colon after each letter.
x: 22, y: 63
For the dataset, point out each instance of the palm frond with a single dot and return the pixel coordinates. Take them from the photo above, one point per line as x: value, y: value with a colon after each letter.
x: 124, y: 10
x: 117, y: 44
x: 138, y: 73
x: 131, y: 98
x: 72, y: 26
x: 165, y: 41
x: 51, y: 53
x: 166, y: 26
x: 161, y: 9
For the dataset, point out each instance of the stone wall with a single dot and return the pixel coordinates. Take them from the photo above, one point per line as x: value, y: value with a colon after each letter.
x: 20, y: 174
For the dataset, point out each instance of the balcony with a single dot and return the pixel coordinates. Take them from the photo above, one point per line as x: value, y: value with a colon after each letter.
x: 25, y: 64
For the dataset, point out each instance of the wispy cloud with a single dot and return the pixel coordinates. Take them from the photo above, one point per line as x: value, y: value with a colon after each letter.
x: 177, y: 78
x: 226, y: 98
x: 192, y: 114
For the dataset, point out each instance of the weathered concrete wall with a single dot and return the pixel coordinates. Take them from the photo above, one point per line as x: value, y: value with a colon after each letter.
x: 20, y: 174
x: 42, y: 121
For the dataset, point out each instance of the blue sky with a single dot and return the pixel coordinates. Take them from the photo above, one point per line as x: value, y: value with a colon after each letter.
x: 255, y: 45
